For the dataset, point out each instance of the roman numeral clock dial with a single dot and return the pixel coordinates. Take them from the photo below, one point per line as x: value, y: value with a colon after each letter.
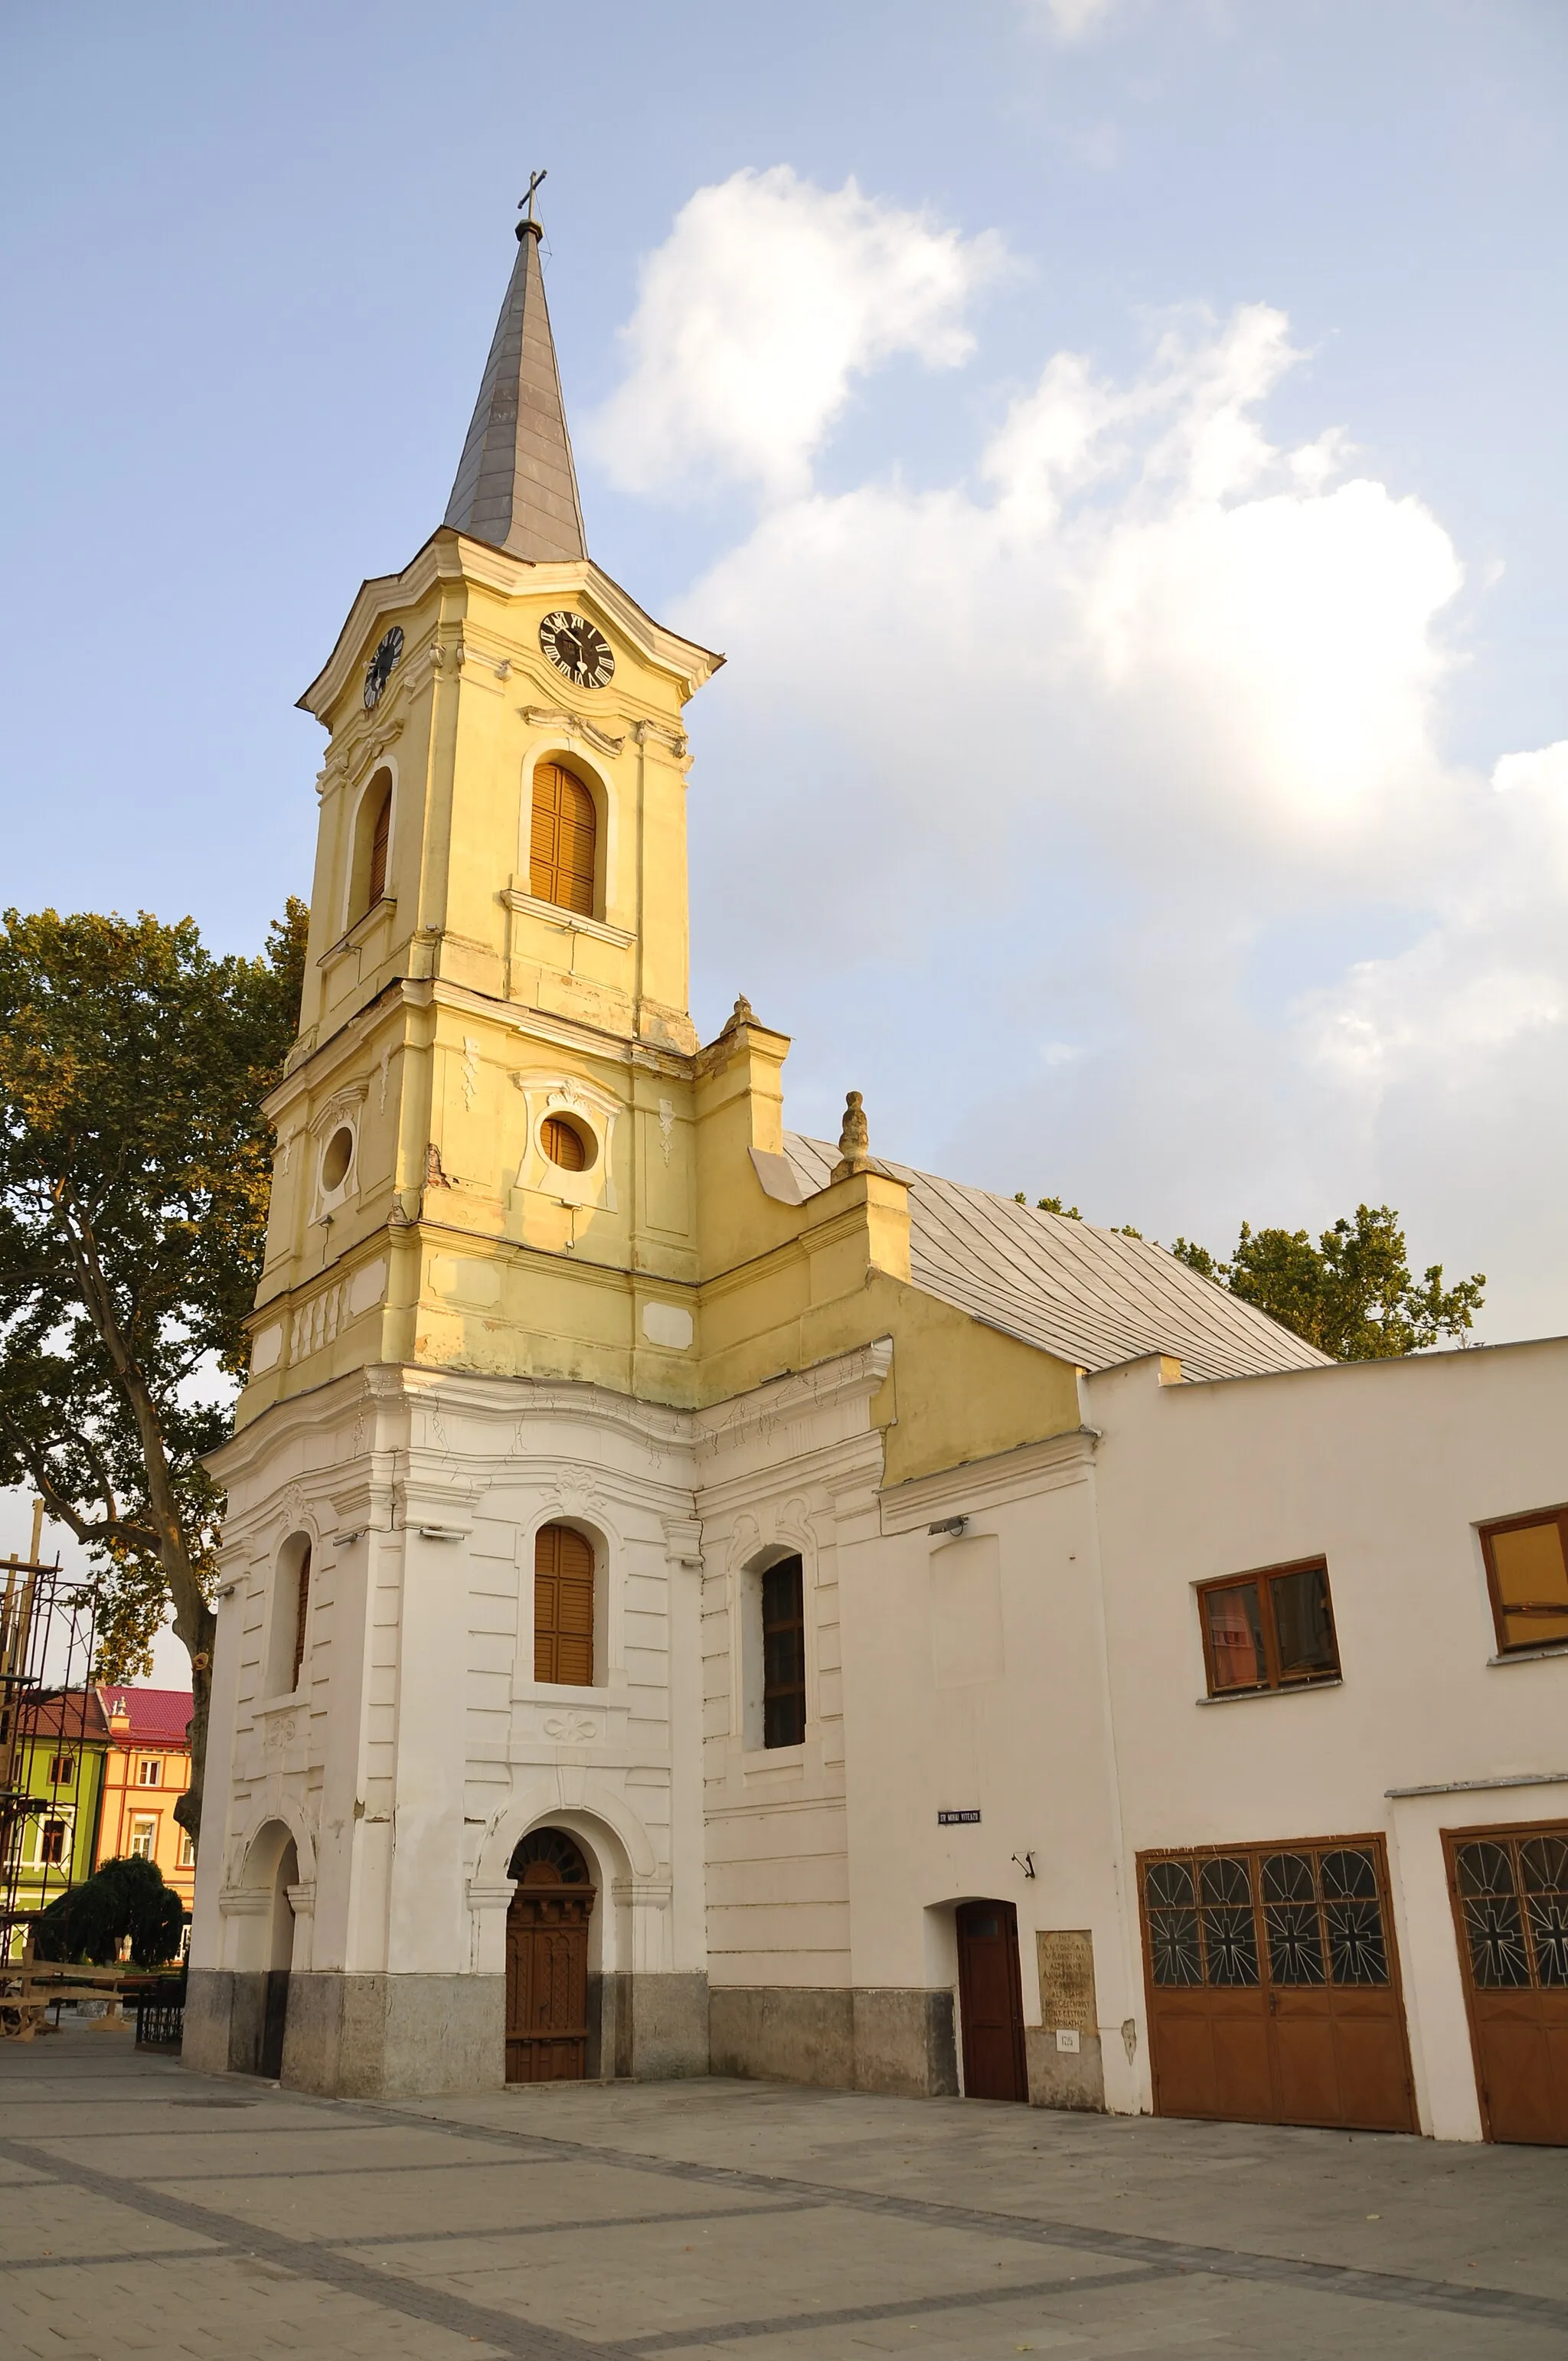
x: 575, y: 648
x: 381, y: 667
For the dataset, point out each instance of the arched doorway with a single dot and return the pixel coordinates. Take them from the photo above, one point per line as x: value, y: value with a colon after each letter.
x: 547, y: 1959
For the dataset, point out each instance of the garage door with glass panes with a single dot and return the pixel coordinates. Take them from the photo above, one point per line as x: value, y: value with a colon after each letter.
x: 1511, y: 1902
x: 1273, y: 1986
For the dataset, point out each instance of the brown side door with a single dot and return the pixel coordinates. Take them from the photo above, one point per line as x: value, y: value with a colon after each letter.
x: 547, y: 1981
x: 991, y: 2002
x: 1273, y: 1985
x: 1509, y: 1888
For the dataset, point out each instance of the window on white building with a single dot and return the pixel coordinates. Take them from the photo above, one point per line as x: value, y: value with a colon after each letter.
x: 1272, y: 1630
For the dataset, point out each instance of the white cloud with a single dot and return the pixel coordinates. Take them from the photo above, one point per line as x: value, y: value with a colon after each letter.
x: 1040, y: 798
x: 1489, y: 977
x: 1161, y: 617
x: 1073, y: 21
x: 1547, y: 768
x: 768, y: 299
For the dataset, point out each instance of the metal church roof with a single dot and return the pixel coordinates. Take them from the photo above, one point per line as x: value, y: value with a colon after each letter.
x: 1093, y: 1297
x: 516, y: 487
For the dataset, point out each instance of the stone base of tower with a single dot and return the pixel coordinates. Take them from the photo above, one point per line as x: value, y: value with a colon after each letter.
x: 360, y: 2037
x: 897, y: 2041
x: 652, y: 2028
x: 382, y: 2037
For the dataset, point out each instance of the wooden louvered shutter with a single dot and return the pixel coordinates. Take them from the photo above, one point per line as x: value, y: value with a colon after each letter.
x: 376, y: 884
x: 301, y: 1617
x: 562, y: 1607
x: 562, y: 845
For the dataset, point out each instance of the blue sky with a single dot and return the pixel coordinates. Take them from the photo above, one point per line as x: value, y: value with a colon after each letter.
x: 1154, y: 554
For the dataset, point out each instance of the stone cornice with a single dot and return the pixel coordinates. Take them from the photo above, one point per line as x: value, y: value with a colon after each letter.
x: 449, y: 556
x: 846, y: 1464
x: 982, y: 1483
x: 529, y: 905
x: 549, y: 1031
x: 845, y: 1378
x: 504, y: 1404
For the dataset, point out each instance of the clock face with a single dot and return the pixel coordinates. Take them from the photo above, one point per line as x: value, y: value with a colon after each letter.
x: 575, y: 648
x: 382, y: 665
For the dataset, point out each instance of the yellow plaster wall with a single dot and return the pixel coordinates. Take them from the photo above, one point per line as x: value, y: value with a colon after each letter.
x: 426, y: 1017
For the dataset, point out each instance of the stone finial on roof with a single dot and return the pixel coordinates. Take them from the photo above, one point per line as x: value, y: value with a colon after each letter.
x: 854, y: 1140
x: 516, y: 487
x: 742, y: 1013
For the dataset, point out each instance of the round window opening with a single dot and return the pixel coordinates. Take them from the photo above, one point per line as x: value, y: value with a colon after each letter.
x: 338, y: 1157
x: 570, y: 1144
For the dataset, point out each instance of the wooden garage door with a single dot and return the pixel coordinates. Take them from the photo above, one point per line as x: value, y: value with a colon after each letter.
x: 1273, y: 1985
x: 1510, y: 1900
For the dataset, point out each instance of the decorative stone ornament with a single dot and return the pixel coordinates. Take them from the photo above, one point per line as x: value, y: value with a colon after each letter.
x: 854, y: 1140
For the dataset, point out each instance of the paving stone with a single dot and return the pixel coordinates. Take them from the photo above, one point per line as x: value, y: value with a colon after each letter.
x: 224, y: 2221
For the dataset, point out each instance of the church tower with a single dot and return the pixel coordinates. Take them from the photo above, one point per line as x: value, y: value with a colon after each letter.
x: 477, y: 1323
x: 576, y: 1385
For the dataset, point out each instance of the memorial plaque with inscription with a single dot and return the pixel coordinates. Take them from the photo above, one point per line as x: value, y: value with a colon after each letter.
x: 1066, y: 1958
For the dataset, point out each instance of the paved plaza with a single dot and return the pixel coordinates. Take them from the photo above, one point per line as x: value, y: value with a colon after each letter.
x: 150, y: 2210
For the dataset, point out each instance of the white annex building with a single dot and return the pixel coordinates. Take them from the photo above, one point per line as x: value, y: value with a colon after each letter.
x: 698, y: 1598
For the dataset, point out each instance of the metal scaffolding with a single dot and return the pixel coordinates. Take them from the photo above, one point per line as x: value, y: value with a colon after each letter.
x: 48, y: 1630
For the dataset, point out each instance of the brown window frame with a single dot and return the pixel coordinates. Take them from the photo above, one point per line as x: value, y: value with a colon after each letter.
x: 380, y: 845
x: 1548, y: 1516
x: 302, y: 1620
x: 564, y: 882
x: 1260, y: 1578
x: 783, y: 1700
x: 557, y: 1635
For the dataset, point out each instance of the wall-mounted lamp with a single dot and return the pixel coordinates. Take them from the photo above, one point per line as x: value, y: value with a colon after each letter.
x: 948, y: 1526
x: 1026, y: 1862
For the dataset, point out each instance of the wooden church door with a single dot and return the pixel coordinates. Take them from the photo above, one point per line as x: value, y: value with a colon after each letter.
x: 547, y: 1960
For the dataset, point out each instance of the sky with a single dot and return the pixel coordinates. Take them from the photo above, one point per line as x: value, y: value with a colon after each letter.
x: 1116, y: 442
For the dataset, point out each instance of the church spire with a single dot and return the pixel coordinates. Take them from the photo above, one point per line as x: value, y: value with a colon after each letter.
x: 516, y: 487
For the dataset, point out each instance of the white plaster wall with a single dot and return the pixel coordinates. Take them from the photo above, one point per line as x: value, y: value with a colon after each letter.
x: 1386, y: 1468
x: 776, y: 1470
x: 1009, y: 1721
x: 420, y: 1748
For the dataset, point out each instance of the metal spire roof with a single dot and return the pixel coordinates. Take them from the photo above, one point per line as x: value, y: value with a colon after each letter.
x: 516, y: 487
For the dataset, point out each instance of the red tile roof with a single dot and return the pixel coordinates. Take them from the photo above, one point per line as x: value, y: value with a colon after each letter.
x: 158, y: 1717
x: 65, y: 1714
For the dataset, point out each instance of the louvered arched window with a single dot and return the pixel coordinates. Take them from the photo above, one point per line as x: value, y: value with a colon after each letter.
x: 563, y: 849
x: 378, y: 833
x: 563, y: 1606
x: 371, y: 848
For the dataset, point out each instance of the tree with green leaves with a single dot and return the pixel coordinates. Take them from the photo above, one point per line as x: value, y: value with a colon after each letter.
x: 135, y: 1167
x: 1352, y: 1294
x: 124, y: 1897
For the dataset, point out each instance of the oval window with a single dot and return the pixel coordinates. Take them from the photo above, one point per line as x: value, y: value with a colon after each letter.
x: 567, y: 1144
x: 336, y: 1159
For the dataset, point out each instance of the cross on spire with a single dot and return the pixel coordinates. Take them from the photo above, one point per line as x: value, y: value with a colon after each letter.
x: 535, y: 180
